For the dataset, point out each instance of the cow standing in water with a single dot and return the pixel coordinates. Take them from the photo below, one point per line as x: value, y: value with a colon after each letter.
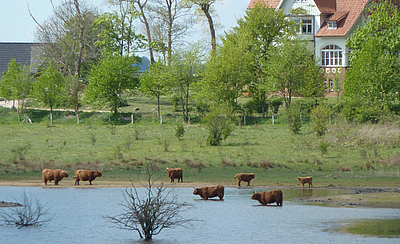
x: 210, y: 191
x: 269, y: 197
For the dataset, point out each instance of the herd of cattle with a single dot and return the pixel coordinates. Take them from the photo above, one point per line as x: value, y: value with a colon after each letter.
x: 264, y: 198
x: 81, y: 174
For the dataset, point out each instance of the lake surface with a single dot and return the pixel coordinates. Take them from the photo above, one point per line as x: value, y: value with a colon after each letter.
x: 78, y: 217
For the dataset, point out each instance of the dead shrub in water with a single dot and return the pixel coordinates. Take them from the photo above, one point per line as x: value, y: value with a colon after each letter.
x: 226, y: 163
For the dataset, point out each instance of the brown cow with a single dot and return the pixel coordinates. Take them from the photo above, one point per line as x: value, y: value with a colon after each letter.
x: 53, y: 174
x: 269, y: 197
x: 304, y: 180
x: 86, y: 175
x: 244, y: 177
x: 210, y: 191
x: 175, y: 173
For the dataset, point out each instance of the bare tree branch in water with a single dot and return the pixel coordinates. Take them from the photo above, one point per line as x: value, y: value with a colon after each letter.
x: 148, y: 215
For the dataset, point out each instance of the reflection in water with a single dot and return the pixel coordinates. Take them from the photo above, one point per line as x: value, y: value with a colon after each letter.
x: 389, y: 228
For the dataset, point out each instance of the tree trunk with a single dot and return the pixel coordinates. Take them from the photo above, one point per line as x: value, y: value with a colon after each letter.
x: 205, y: 7
x: 143, y: 19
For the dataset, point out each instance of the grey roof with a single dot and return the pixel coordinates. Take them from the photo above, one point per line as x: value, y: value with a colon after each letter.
x: 23, y: 53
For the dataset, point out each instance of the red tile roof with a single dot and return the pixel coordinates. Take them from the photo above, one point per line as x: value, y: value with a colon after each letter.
x: 353, y: 8
x: 346, y: 12
x: 269, y: 3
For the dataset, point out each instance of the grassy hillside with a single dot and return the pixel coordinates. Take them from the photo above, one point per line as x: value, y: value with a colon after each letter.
x: 350, y: 152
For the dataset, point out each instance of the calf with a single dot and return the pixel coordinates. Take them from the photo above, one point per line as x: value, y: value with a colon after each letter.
x: 86, y: 175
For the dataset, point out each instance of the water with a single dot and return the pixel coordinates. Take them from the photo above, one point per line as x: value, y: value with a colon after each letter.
x: 78, y: 217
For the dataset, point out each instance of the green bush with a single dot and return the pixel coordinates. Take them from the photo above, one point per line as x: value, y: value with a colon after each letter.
x: 219, y: 124
x: 293, y: 119
x: 320, y: 117
x: 274, y: 103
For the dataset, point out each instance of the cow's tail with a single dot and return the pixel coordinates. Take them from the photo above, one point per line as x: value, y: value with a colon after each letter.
x: 235, y: 176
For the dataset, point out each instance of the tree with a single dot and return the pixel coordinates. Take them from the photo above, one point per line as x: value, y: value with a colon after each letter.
x: 261, y: 26
x: 285, y: 65
x: 375, y: 68
x: 184, y: 70
x: 320, y: 117
x: 227, y: 71
x: 68, y: 37
x: 49, y: 86
x: 205, y: 6
x: 152, y: 82
x: 30, y: 213
x: 110, y: 78
x: 74, y: 89
x: 312, y: 84
x: 116, y: 30
x: 159, y: 209
x: 16, y: 84
x: 170, y: 22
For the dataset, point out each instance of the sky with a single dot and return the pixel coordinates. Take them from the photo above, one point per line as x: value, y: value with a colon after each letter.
x: 16, y: 25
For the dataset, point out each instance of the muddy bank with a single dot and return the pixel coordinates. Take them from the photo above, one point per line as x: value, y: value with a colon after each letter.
x: 362, y: 197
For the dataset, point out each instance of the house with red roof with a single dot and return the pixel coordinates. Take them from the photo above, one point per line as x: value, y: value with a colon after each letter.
x: 327, y: 24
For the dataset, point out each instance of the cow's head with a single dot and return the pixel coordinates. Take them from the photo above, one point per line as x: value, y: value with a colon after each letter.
x: 98, y: 173
x: 256, y: 196
x: 197, y: 191
x: 64, y: 174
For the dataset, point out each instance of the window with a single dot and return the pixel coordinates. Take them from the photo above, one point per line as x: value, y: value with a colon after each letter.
x: 332, y: 25
x: 306, y: 27
x: 331, y: 55
x: 331, y: 85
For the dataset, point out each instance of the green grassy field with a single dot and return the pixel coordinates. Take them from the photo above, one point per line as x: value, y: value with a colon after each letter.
x: 358, y: 154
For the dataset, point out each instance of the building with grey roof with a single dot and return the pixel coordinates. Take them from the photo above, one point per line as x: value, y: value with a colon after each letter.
x: 23, y: 53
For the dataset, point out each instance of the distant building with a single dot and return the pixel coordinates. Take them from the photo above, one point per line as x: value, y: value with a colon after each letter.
x: 23, y: 53
x: 327, y: 24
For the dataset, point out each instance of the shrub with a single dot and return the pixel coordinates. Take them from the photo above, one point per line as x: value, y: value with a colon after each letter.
x: 219, y: 125
x: 179, y: 130
x: 275, y: 102
x: 30, y: 213
x: 320, y: 117
x: 293, y: 118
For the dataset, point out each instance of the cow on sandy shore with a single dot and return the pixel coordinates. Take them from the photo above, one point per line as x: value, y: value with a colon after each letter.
x: 175, y: 173
x: 304, y: 180
x: 244, y: 177
x: 53, y: 174
x: 86, y: 175
x: 269, y: 197
x: 210, y: 192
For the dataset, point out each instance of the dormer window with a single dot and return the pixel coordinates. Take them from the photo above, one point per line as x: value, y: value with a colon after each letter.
x: 332, y: 25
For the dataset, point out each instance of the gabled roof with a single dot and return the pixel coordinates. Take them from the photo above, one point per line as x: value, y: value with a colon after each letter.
x: 345, y: 12
x: 269, y: 3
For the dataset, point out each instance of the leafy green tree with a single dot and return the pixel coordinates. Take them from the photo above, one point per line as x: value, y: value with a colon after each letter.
x: 320, y: 117
x: 227, y: 71
x: 110, y: 78
x: 152, y: 82
x: 312, y: 85
x: 16, y: 84
x: 261, y: 26
x: 48, y: 88
x: 375, y: 68
x: 184, y: 70
x: 286, y: 65
x: 116, y: 31
x: 293, y: 118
